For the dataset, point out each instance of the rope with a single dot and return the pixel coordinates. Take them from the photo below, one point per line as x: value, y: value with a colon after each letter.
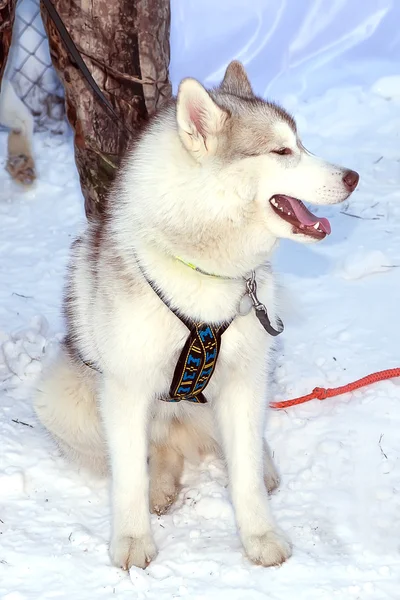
x: 322, y: 393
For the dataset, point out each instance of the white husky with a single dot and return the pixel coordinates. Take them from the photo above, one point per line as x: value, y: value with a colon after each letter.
x: 213, y: 183
x: 18, y: 118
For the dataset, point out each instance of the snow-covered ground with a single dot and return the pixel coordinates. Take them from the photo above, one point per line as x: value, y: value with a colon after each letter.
x: 340, y: 459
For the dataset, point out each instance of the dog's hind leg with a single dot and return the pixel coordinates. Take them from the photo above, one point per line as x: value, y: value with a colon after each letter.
x: 166, y: 465
x: 271, y: 475
x: 65, y: 404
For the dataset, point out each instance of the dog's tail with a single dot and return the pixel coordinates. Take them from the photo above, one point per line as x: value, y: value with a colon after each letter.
x: 65, y: 403
x: 18, y: 118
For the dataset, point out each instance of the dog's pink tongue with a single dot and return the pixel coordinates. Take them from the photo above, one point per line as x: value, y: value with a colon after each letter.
x: 306, y: 217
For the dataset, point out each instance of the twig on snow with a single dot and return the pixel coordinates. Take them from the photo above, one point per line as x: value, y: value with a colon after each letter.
x: 380, y: 446
x: 359, y: 216
x: 21, y: 423
x: 21, y: 295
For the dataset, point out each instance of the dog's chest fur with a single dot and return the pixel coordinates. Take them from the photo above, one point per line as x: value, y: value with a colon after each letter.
x: 116, y: 320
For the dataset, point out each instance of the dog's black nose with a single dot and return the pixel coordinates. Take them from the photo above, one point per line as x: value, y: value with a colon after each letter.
x: 350, y: 180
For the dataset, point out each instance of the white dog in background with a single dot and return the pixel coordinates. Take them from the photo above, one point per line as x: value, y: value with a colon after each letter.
x: 17, y: 117
x: 215, y: 180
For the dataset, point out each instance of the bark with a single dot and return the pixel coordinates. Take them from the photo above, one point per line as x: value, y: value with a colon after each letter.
x: 7, y: 17
x: 125, y: 44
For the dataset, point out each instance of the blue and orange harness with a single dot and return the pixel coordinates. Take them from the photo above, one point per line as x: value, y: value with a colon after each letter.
x: 197, y: 361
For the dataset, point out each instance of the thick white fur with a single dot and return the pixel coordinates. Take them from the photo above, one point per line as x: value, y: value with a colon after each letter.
x: 179, y: 195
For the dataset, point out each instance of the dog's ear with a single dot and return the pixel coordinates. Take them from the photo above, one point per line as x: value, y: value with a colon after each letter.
x: 199, y: 118
x: 235, y: 80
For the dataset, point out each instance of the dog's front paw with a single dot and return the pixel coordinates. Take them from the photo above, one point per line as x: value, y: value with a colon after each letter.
x: 270, y: 549
x: 127, y: 552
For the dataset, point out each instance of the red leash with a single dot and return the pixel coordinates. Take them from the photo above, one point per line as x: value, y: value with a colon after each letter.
x: 322, y: 393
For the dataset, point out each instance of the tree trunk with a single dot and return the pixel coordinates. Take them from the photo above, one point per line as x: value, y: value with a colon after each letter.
x: 125, y: 44
x: 7, y: 17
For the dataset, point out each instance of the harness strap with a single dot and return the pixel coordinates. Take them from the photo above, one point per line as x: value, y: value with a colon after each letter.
x: 198, y: 357
x: 196, y: 363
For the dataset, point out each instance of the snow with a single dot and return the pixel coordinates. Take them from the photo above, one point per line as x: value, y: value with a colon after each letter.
x: 339, y: 499
x: 388, y: 87
x: 288, y: 46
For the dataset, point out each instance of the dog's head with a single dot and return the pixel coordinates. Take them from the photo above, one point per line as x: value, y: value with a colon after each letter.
x: 253, y: 149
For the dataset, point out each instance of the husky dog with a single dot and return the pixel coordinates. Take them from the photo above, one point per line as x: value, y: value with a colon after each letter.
x: 18, y: 118
x: 213, y: 182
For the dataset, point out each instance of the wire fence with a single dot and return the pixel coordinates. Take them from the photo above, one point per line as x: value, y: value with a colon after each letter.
x: 31, y: 71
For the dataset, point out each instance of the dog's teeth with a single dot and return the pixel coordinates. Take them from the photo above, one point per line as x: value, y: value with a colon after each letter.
x: 274, y: 202
x: 289, y: 213
x: 316, y: 226
x: 280, y: 208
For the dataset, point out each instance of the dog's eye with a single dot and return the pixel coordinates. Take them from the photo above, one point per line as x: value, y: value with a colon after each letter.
x: 282, y: 151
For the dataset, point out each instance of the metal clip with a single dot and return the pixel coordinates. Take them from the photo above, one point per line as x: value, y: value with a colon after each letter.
x: 251, y: 286
x: 260, y: 308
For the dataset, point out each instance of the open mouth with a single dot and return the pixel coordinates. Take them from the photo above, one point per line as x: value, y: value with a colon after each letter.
x: 297, y: 214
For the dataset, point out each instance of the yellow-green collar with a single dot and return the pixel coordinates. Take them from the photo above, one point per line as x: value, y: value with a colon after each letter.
x: 251, y: 291
x: 194, y: 268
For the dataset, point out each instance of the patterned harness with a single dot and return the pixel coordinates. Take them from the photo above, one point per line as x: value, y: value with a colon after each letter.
x: 197, y: 361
